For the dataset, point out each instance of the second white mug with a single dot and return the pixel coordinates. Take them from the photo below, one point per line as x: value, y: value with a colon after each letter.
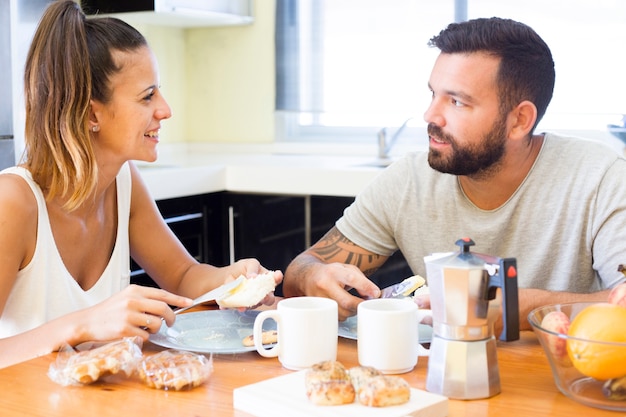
x: 307, y: 331
x: 387, y: 334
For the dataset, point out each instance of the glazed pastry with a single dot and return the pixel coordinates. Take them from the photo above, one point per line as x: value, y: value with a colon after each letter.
x: 172, y: 369
x: 383, y: 391
x: 328, y: 383
x: 89, y: 366
x: 359, y: 375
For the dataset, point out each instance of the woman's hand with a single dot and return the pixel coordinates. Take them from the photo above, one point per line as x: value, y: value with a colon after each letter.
x: 250, y: 268
x: 269, y: 298
x: 134, y: 311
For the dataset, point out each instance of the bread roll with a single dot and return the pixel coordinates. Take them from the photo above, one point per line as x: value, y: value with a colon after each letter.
x: 359, y: 375
x: 267, y: 338
x: 383, y: 391
x: 78, y: 366
x: 172, y: 369
x: 250, y: 293
x: 328, y: 383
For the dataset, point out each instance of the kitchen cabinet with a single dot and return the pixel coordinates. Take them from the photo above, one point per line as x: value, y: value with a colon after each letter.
x: 268, y: 227
x: 180, y: 13
x: 223, y: 227
x: 276, y: 228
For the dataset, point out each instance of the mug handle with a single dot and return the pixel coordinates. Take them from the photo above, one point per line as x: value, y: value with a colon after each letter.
x: 421, y: 315
x: 257, y: 333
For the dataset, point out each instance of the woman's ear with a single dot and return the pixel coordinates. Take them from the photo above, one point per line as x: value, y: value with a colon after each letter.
x: 94, y: 126
x: 522, y: 120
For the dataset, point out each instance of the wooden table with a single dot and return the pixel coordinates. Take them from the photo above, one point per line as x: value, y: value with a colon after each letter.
x: 25, y: 389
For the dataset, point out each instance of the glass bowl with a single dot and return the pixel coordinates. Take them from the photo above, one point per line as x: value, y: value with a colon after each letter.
x: 568, y: 379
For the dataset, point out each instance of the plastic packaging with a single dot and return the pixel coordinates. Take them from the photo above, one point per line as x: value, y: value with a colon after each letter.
x: 173, y: 369
x: 90, y: 362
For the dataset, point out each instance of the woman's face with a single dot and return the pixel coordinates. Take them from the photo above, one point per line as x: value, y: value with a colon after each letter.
x: 129, y: 123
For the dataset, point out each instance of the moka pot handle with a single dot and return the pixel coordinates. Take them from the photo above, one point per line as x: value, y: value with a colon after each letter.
x: 506, y: 280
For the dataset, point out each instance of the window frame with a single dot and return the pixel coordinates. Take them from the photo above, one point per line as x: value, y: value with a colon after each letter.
x: 289, y: 128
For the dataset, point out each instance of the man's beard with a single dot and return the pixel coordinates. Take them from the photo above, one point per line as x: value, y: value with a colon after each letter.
x: 476, y: 160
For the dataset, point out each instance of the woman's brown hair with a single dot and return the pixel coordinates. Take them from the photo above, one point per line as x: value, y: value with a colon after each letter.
x: 69, y: 63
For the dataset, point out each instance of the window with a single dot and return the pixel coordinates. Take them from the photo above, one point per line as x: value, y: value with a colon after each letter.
x: 346, y: 68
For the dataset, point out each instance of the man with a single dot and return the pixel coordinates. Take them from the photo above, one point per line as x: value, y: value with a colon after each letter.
x: 556, y: 204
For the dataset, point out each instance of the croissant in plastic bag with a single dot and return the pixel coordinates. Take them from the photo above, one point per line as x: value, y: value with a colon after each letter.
x: 173, y: 369
x: 90, y: 362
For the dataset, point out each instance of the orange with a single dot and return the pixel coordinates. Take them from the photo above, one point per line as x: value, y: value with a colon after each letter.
x: 601, y: 322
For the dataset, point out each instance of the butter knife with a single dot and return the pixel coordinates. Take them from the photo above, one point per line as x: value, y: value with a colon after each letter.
x: 214, y: 294
x: 404, y: 288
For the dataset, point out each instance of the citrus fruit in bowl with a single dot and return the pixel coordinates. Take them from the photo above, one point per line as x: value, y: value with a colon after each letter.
x: 585, y: 344
x: 601, y: 322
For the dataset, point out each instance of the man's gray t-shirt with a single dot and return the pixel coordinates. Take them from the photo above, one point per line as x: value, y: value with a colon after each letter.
x: 565, y: 224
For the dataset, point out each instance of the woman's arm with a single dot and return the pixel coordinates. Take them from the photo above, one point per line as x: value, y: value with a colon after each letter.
x: 161, y: 254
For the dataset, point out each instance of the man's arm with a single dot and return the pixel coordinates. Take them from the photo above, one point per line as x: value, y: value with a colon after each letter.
x: 531, y: 298
x: 330, y: 268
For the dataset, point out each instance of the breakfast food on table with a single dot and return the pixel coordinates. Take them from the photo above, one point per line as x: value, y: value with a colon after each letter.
x: 250, y: 292
x: 268, y: 337
x: 404, y: 288
x: 172, y: 369
x: 360, y: 374
x: 595, y: 324
x: 557, y: 322
x: 586, y: 345
x: 615, y: 389
x: 87, y: 366
x: 384, y: 391
x: 617, y: 295
x: 597, y: 344
x: 328, y: 383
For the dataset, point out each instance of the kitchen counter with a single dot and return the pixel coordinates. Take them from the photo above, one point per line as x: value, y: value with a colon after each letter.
x: 330, y: 169
x: 191, y: 169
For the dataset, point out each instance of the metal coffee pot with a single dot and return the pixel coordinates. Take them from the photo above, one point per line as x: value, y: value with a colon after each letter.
x: 463, y: 362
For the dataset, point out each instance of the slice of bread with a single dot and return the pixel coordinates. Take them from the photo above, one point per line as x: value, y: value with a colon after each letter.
x: 250, y: 293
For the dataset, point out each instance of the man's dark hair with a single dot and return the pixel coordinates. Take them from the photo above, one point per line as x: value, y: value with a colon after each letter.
x: 526, y: 70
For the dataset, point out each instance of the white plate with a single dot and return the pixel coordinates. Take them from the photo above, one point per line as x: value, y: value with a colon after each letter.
x: 285, y: 395
x: 212, y: 331
x: 347, y: 329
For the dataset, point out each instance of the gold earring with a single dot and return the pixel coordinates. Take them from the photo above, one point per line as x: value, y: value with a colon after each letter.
x: 95, y: 129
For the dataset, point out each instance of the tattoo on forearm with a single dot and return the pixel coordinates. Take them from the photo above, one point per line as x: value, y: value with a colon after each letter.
x: 335, y: 247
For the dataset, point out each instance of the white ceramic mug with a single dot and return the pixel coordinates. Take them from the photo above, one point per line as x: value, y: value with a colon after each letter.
x: 307, y: 331
x: 387, y: 334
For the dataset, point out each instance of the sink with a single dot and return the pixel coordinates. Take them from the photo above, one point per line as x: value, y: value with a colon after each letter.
x: 618, y: 132
x: 378, y: 163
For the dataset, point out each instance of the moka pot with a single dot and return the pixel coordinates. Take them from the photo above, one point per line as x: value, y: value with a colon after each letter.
x: 463, y: 286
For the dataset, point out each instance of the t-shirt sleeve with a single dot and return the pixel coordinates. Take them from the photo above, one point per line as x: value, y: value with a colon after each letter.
x: 609, y: 249
x: 369, y: 221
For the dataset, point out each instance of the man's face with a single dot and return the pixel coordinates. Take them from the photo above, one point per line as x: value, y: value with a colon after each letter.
x: 467, y: 133
x: 468, y: 158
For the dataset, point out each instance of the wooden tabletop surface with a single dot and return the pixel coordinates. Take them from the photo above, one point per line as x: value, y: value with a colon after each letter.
x: 528, y: 389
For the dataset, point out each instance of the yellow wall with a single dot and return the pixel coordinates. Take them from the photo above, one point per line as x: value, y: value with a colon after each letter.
x: 168, y: 44
x: 219, y: 81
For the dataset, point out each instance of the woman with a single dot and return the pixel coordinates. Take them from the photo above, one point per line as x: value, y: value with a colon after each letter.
x: 76, y: 209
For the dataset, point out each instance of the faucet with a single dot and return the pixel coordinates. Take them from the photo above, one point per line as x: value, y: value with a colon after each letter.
x: 384, y: 145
